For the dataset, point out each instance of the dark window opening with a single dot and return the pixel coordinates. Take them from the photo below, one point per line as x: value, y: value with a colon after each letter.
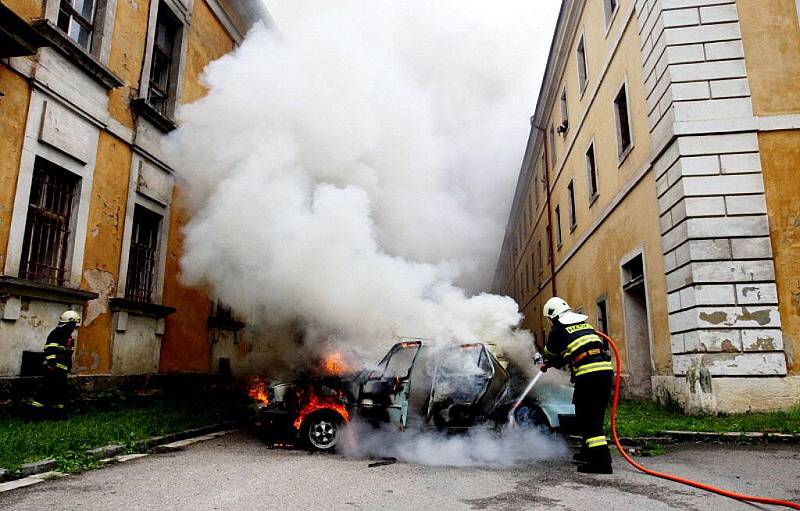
x: 581, y: 54
x: 143, y: 255
x: 553, y: 157
x: 76, y: 19
x: 549, y: 244
x: 623, y: 121
x: 602, y: 315
x: 564, y: 113
x: 610, y: 8
x: 633, y: 271
x: 558, y: 226
x: 162, y: 75
x: 573, y: 218
x: 48, y: 228
x: 539, y: 255
x: 591, y: 168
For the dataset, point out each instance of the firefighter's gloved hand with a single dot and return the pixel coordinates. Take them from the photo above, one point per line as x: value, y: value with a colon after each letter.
x: 544, y: 367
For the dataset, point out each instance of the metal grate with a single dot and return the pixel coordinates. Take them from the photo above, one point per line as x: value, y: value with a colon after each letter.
x: 45, y: 247
x: 142, y: 260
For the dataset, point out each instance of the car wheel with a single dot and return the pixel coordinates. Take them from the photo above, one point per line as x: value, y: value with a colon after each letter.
x: 321, y: 431
x: 531, y: 415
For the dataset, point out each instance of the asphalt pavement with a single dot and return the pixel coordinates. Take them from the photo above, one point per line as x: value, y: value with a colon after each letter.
x: 239, y: 472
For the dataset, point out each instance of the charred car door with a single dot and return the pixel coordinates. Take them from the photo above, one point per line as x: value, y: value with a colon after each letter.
x: 383, y: 395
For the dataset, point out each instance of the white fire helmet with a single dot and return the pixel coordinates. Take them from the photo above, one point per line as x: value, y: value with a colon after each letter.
x: 557, y: 308
x: 70, y: 317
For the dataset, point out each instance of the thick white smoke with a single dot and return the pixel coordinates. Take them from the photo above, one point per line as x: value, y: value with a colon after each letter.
x: 477, y: 447
x: 352, y: 172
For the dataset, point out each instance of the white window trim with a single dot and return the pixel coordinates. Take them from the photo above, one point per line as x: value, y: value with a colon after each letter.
x: 623, y: 155
x: 102, y: 31
x: 135, y: 198
x: 182, y: 13
x: 582, y: 87
x: 609, y: 17
x: 31, y: 148
x: 639, y: 251
x: 592, y: 197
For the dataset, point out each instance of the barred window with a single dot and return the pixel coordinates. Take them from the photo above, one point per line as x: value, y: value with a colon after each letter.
x: 48, y: 228
x: 143, y: 255
x: 76, y: 19
x: 162, y: 75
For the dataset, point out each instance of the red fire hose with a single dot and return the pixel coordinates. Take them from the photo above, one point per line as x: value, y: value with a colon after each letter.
x: 670, y: 477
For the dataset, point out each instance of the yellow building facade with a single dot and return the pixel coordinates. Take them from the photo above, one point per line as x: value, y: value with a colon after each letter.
x: 658, y: 195
x: 90, y: 215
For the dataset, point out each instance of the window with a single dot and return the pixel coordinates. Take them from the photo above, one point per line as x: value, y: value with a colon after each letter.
x: 76, y: 19
x: 581, y: 54
x: 536, y: 185
x: 143, y: 255
x: 602, y: 315
x: 549, y: 244
x: 573, y: 220
x: 591, y: 170
x: 539, y: 255
x: 47, y: 243
x: 558, y: 226
x: 552, y: 147
x: 163, y: 66
x: 610, y: 7
x: 623, y: 121
x: 564, y: 113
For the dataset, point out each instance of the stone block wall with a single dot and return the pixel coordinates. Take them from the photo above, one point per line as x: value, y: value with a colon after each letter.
x: 722, y: 298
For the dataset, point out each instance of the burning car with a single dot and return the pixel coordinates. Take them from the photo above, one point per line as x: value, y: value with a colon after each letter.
x: 416, y: 385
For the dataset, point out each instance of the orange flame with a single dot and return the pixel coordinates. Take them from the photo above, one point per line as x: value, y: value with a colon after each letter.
x: 314, y: 402
x: 258, y: 390
x: 334, y: 364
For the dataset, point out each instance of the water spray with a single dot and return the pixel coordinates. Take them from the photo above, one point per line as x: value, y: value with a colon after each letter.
x: 511, y: 419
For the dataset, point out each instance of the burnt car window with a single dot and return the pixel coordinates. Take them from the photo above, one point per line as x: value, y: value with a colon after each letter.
x: 399, y: 364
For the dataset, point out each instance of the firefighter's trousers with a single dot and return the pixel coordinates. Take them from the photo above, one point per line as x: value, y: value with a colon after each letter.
x: 592, y: 392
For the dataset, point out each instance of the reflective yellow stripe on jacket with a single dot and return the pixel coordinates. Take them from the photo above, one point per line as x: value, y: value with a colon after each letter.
x: 578, y: 343
x: 593, y: 367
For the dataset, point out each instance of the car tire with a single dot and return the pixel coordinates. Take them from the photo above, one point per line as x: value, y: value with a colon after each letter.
x: 531, y: 415
x: 321, y: 431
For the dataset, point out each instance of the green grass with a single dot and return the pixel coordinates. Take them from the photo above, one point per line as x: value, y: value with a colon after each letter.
x: 24, y: 441
x: 637, y: 419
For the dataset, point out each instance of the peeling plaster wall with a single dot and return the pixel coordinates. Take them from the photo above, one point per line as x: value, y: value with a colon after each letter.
x: 137, y: 349
x: 781, y: 160
x: 28, y: 9
x: 13, y: 113
x: 28, y: 333
x: 185, y: 345
x: 103, y: 251
x: 698, y: 393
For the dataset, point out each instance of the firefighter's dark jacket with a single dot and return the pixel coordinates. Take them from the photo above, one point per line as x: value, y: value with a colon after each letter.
x: 59, y: 348
x: 579, y: 346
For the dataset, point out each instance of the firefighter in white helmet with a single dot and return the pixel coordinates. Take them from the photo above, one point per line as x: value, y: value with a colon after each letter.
x: 574, y: 342
x: 57, y: 363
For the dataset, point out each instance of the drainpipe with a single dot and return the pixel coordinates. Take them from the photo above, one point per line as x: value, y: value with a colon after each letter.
x: 549, y: 231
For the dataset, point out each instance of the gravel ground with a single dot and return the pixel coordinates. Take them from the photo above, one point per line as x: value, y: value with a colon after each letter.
x: 238, y: 472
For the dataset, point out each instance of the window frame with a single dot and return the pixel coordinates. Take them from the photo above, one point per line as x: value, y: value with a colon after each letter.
x: 559, y: 233
x: 622, y: 154
x: 130, y: 287
x: 64, y: 267
x: 610, y: 16
x: 582, y: 61
x: 572, y: 207
x: 177, y: 11
x: 102, y: 27
x: 592, y: 170
x: 564, y: 108
x: 602, y: 314
x: 553, y: 152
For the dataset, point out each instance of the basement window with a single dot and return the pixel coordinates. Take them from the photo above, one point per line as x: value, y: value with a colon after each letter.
x: 143, y: 255
x: 76, y: 19
x: 47, y: 242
